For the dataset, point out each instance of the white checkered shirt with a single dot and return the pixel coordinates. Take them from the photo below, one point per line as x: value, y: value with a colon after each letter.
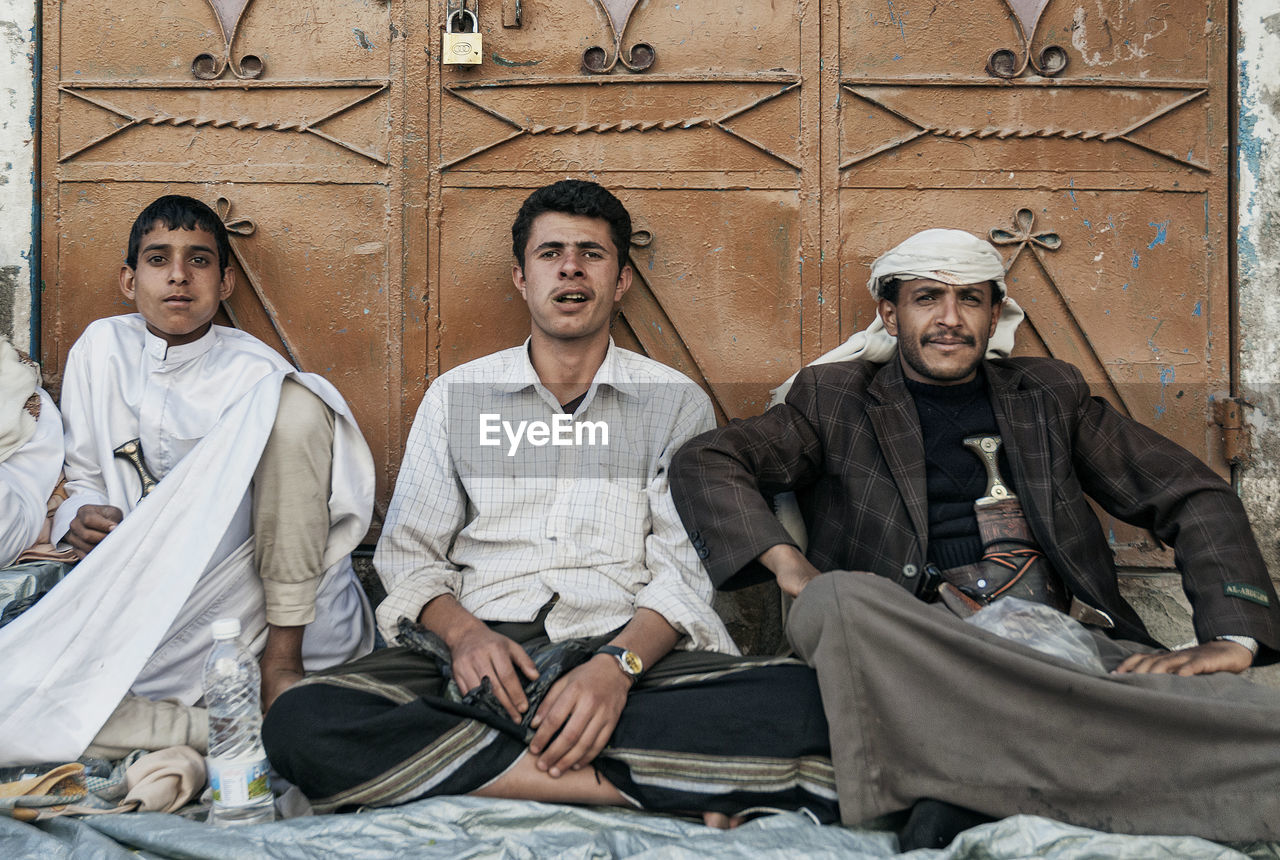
x: 504, y: 530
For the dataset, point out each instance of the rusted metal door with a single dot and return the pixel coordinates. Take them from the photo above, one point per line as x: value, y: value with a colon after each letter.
x: 700, y: 118
x: 767, y: 151
x: 1087, y: 139
x: 280, y: 113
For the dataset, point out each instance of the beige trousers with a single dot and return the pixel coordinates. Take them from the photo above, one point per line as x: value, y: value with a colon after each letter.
x: 922, y: 705
x: 290, y: 526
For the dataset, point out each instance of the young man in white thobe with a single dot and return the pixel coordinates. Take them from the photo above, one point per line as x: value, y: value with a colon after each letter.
x: 206, y: 479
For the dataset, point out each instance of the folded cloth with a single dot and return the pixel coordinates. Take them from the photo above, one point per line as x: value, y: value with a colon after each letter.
x: 43, y: 795
x: 43, y: 549
x: 162, y: 781
x: 165, y: 780
x: 19, y: 377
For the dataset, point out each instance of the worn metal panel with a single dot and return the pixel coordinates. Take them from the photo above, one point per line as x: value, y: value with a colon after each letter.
x: 711, y: 146
x: 767, y: 151
x: 1088, y: 140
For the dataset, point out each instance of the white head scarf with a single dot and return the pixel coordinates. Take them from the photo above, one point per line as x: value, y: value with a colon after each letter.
x: 950, y: 256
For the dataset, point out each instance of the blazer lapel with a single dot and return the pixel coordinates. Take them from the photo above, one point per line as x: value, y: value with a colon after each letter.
x: 1021, y: 417
x: 892, y: 413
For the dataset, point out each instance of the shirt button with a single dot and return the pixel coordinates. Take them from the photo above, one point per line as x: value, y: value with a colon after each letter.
x: 909, y: 570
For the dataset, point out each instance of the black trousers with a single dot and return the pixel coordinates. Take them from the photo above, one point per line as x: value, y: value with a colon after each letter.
x: 700, y: 732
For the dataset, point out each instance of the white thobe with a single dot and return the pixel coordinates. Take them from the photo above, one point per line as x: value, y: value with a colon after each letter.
x: 27, y: 479
x: 134, y: 615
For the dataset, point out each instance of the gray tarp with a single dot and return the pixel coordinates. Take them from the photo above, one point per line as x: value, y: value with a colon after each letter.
x: 467, y: 827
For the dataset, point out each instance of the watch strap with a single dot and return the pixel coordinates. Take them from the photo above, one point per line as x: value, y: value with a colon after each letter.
x: 628, y: 660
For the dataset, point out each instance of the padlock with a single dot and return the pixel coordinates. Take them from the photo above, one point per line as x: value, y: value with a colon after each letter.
x: 461, y: 49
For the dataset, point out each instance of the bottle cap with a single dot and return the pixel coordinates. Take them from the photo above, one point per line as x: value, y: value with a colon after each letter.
x: 226, y: 628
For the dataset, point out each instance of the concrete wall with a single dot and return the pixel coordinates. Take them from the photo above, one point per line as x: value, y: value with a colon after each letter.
x: 1258, y: 248
x: 17, y: 168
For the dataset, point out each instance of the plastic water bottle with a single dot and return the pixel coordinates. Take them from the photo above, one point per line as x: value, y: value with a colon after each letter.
x: 237, y: 762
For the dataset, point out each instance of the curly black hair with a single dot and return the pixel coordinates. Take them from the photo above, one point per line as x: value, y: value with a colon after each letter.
x: 574, y: 197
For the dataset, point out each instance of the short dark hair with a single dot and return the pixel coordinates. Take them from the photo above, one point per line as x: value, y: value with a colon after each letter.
x: 574, y: 197
x: 179, y: 212
x: 889, y: 288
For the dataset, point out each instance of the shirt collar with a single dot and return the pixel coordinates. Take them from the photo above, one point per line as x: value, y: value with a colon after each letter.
x: 612, y: 372
x: 159, y: 350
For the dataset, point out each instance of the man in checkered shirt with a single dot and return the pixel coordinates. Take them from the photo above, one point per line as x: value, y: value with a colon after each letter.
x: 532, y: 522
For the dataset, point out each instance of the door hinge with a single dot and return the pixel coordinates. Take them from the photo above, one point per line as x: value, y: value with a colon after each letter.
x: 1237, y: 440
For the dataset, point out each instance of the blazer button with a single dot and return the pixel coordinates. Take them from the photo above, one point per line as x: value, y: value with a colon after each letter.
x: 909, y: 570
x: 695, y: 535
x: 703, y: 552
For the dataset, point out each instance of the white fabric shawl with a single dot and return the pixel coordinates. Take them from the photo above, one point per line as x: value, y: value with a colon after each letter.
x: 18, y: 381
x: 70, y: 658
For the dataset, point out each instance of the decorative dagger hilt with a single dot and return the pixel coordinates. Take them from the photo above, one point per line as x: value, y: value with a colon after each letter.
x: 131, y: 452
x: 987, y: 448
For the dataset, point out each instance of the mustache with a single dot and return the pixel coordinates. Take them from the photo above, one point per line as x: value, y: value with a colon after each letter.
x: 966, y: 339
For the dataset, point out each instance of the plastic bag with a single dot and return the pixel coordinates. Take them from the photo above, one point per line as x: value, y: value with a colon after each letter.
x: 1040, y: 627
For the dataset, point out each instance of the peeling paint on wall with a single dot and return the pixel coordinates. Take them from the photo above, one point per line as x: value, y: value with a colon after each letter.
x: 17, y: 167
x: 1258, y: 249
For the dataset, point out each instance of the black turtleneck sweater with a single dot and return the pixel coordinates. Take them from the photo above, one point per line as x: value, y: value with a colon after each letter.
x: 954, y: 476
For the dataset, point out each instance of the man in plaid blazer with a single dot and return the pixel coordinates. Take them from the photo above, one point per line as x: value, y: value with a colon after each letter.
x: 923, y: 705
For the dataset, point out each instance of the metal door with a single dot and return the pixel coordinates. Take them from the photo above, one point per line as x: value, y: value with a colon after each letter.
x: 281, y: 114
x: 767, y: 152
x: 1086, y: 139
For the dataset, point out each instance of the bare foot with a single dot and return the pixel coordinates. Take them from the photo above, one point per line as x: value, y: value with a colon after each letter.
x: 275, y: 680
x: 720, y: 821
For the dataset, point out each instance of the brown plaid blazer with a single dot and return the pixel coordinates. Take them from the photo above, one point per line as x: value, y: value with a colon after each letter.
x: 848, y: 442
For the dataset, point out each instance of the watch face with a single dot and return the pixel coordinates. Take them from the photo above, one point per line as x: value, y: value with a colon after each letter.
x: 632, y: 662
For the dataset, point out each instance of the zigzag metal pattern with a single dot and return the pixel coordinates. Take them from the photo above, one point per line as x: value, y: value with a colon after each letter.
x: 166, y: 119
x: 1004, y: 132
x: 623, y: 126
x: 201, y: 121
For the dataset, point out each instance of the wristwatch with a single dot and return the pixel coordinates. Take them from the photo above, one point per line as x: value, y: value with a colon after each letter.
x: 632, y: 665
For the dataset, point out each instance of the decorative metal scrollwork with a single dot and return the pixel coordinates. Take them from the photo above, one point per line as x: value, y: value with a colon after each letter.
x: 208, y: 67
x: 637, y: 58
x: 246, y: 227
x: 1051, y: 60
x: 1068, y: 331
x: 1024, y: 221
x: 238, y: 226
